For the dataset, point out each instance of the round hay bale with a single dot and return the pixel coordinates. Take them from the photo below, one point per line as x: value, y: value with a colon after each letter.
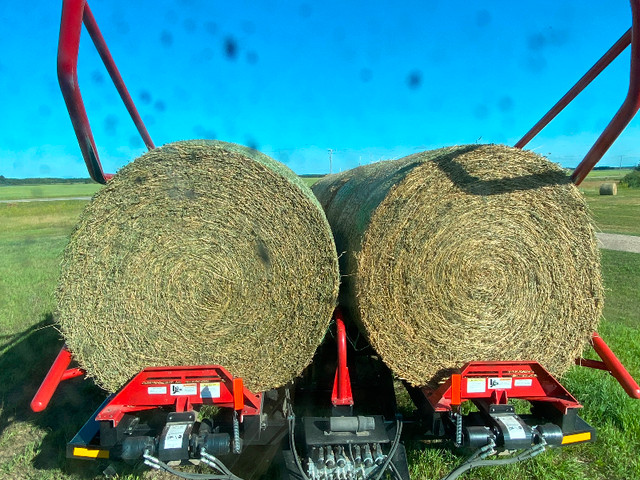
x: 199, y: 253
x: 480, y: 252
x: 609, y: 188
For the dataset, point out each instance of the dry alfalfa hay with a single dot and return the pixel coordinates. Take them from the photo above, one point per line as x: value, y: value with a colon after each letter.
x: 199, y: 253
x: 465, y: 253
x: 609, y: 188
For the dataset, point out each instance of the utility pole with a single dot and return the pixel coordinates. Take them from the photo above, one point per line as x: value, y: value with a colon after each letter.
x: 330, y: 160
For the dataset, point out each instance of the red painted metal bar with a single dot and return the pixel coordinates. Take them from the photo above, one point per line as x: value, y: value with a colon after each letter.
x: 238, y: 393
x: 615, y: 366
x: 72, y: 373
x: 456, y: 389
x: 341, y: 394
x: 50, y: 383
x: 626, y: 112
x: 624, y: 115
x: 68, y: 47
x: 73, y: 14
x: 588, y: 363
x: 107, y: 59
x: 586, y: 79
x: 499, y: 381
x: 181, y: 387
x: 183, y: 405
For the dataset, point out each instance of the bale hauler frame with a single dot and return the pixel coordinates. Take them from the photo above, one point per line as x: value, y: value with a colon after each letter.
x: 340, y: 423
x: 625, y: 113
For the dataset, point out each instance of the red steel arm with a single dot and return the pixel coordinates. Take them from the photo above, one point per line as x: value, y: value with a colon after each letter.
x: 109, y: 63
x: 74, y: 12
x: 587, y: 78
x: 624, y: 115
x: 57, y: 373
x: 615, y: 366
x: 626, y: 112
x: 68, y: 46
x: 341, y: 394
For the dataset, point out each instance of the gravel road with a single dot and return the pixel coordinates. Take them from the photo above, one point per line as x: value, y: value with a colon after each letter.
x: 622, y: 243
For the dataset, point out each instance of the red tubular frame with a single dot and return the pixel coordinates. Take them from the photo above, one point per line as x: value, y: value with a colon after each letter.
x: 611, y: 364
x: 57, y: 373
x: 74, y: 13
x: 524, y: 380
x: 341, y: 394
x: 624, y: 115
x: 588, y: 77
x: 136, y: 395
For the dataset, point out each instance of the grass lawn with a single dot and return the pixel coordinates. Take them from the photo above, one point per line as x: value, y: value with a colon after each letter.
x: 612, y: 213
x: 608, y: 175
x: 32, y: 238
x: 615, y: 213
x: 14, y: 192
x: 308, y: 181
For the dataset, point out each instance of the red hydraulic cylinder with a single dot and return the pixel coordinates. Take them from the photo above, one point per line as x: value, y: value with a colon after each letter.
x: 57, y: 373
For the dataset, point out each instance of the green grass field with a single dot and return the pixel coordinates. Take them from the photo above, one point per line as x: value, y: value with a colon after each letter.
x: 13, y: 192
x: 605, y: 175
x: 613, y: 213
x: 308, y: 181
x: 33, y: 236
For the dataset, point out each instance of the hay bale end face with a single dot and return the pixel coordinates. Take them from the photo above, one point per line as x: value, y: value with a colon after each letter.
x: 609, y: 188
x: 479, y: 252
x: 199, y: 253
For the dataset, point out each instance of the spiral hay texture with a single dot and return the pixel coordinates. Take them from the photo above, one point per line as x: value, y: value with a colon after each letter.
x: 199, y: 253
x: 465, y: 253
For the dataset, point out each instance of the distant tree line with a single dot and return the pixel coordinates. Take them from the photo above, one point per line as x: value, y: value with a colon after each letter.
x: 40, y: 181
x: 632, y: 179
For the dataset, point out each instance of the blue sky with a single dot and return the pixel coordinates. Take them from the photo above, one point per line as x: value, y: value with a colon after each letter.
x: 369, y: 80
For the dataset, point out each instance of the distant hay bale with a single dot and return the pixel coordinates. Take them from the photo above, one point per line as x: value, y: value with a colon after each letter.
x: 480, y: 252
x: 199, y: 253
x: 608, y: 188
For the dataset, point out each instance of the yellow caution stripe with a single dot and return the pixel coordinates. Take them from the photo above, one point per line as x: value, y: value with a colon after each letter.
x: 576, y: 437
x: 90, y: 452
